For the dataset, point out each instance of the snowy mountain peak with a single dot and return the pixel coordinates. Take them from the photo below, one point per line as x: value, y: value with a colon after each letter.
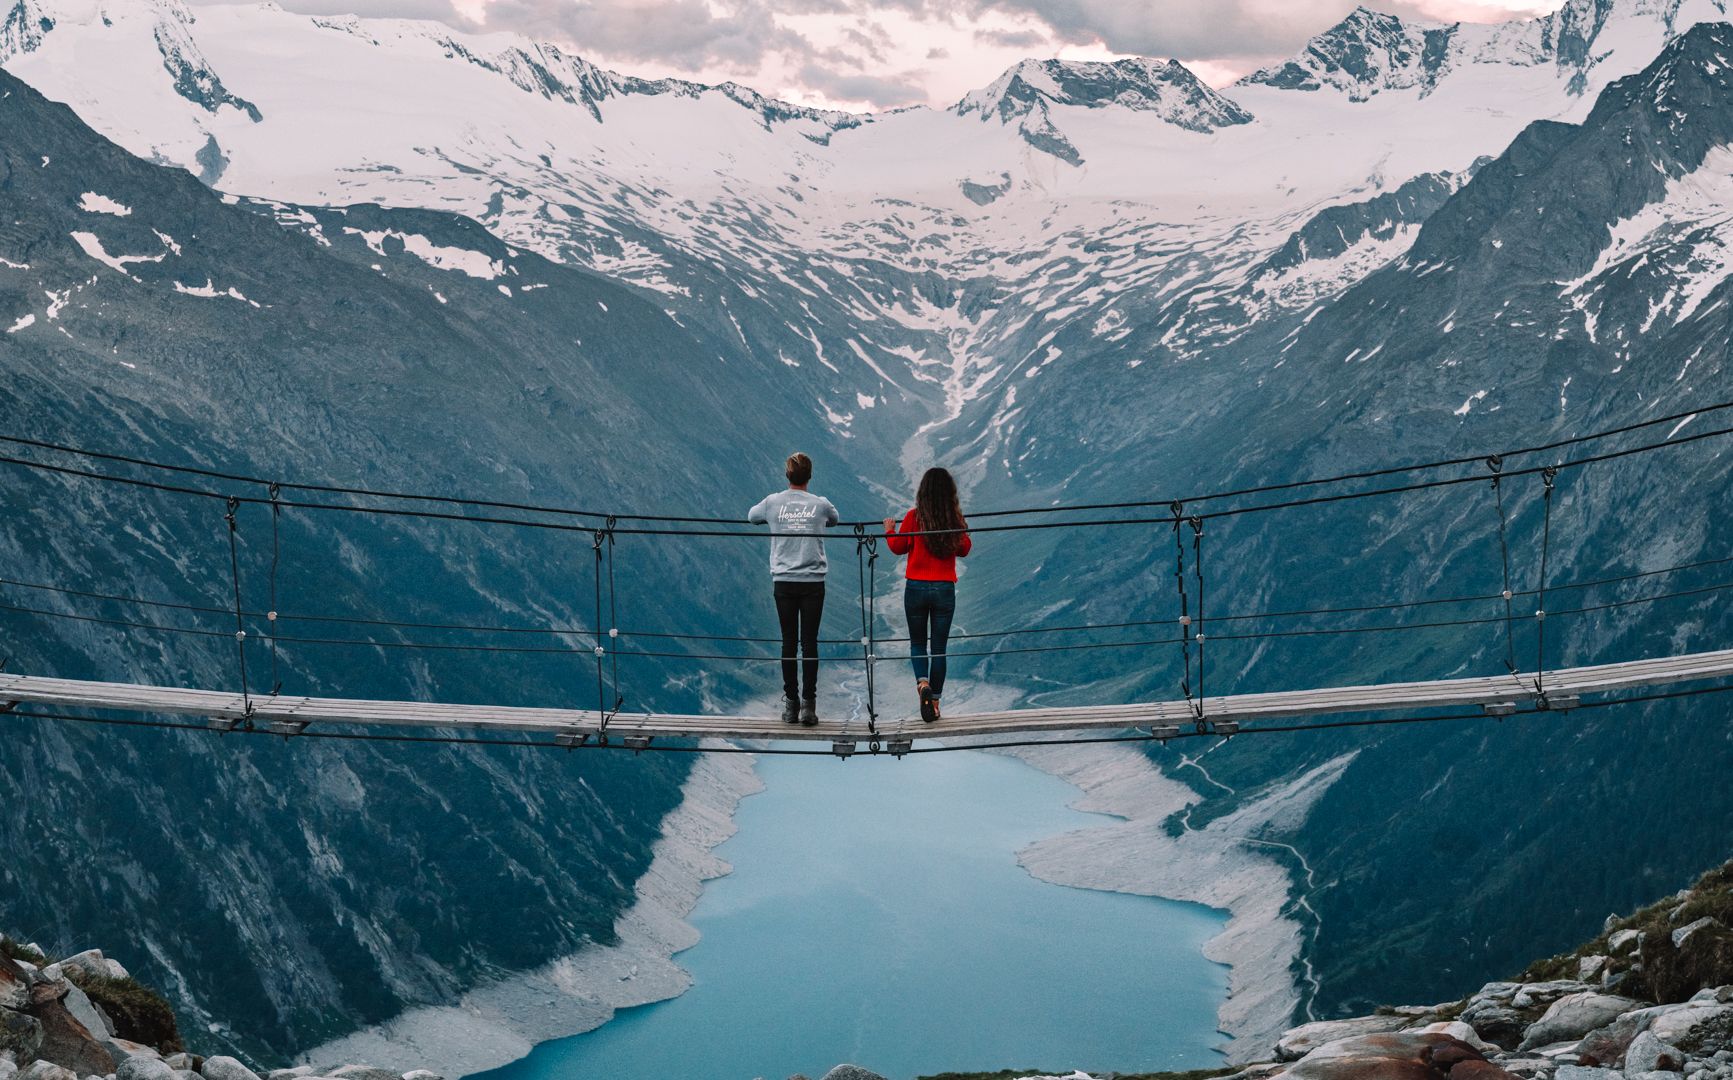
x: 1367, y: 52
x: 1165, y: 87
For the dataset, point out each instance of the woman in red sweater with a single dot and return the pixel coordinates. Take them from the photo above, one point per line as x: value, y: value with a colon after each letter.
x: 930, y: 595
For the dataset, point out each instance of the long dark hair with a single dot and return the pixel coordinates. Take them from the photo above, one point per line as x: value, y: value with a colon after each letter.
x: 937, y: 508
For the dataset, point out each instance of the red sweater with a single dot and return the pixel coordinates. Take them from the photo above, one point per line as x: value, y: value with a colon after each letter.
x: 923, y: 564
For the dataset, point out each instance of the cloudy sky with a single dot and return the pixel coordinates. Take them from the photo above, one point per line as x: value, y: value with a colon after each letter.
x: 873, y: 54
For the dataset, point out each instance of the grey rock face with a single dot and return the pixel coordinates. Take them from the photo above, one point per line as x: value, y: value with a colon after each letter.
x: 1575, y: 1015
x: 851, y: 1072
x: 46, y: 1070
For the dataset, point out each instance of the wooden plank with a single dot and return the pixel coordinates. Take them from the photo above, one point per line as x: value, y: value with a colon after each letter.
x: 225, y: 706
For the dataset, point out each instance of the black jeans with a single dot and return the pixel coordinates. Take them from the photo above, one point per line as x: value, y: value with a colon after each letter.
x: 799, y: 606
x: 929, y: 603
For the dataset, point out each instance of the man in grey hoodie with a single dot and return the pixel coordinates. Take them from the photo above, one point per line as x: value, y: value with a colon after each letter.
x: 797, y: 520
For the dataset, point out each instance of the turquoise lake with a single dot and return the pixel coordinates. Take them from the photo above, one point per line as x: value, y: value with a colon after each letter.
x: 876, y: 915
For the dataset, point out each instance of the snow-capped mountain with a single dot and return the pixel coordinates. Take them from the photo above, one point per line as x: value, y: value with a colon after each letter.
x: 1370, y: 52
x: 1081, y: 279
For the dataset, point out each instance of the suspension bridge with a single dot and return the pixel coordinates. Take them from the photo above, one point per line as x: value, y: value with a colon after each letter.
x: 1517, y: 690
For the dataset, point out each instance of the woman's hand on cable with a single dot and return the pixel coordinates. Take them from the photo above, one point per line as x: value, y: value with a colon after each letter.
x: 890, y: 525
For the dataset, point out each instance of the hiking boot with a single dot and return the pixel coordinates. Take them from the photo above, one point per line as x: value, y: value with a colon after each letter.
x: 929, y: 703
x: 809, y: 712
x: 790, y: 711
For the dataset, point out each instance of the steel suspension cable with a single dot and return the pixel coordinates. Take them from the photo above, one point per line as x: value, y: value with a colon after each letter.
x: 752, y: 535
x: 361, y: 492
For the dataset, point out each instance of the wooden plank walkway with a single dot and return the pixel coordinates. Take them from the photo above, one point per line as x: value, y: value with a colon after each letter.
x: 291, y: 714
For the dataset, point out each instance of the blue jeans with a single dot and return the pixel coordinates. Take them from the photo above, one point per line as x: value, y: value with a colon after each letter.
x: 929, y: 603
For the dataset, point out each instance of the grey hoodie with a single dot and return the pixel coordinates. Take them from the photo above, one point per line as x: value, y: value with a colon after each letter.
x: 797, y: 522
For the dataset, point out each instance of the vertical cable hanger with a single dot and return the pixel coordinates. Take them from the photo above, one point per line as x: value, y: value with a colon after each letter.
x: 1496, y: 464
x: 866, y: 557
x: 274, y: 490
x: 602, y: 539
x: 1197, y: 628
x: 1548, y: 475
x: 614, y: 619
x: 1185, y: 631
x: 231, y: 505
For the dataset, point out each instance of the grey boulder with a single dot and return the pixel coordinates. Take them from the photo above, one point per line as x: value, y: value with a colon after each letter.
x: 227, y: 1068
x: 1296, y: 1043
x: 362, y: 1072
x: 1675, y: 1025
x: 290, y: 1074
x: 46, y: 1070
x: 86, y: 1012
x: 851, y: 1072
x: 1649, y: 1054
x: 141, y: 1067
x: 1575, y: 1015
x: 422, y: 1074
x: 1545, y: 993
x: 1684, y: 933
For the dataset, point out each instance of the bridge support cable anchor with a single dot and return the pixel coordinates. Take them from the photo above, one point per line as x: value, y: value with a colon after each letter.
x: 1496, y: 464
x: 231, y: 505
x: 571, y: 740
x: 866, y: 557
x: 1548, y: 476
x: 843, y: 748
